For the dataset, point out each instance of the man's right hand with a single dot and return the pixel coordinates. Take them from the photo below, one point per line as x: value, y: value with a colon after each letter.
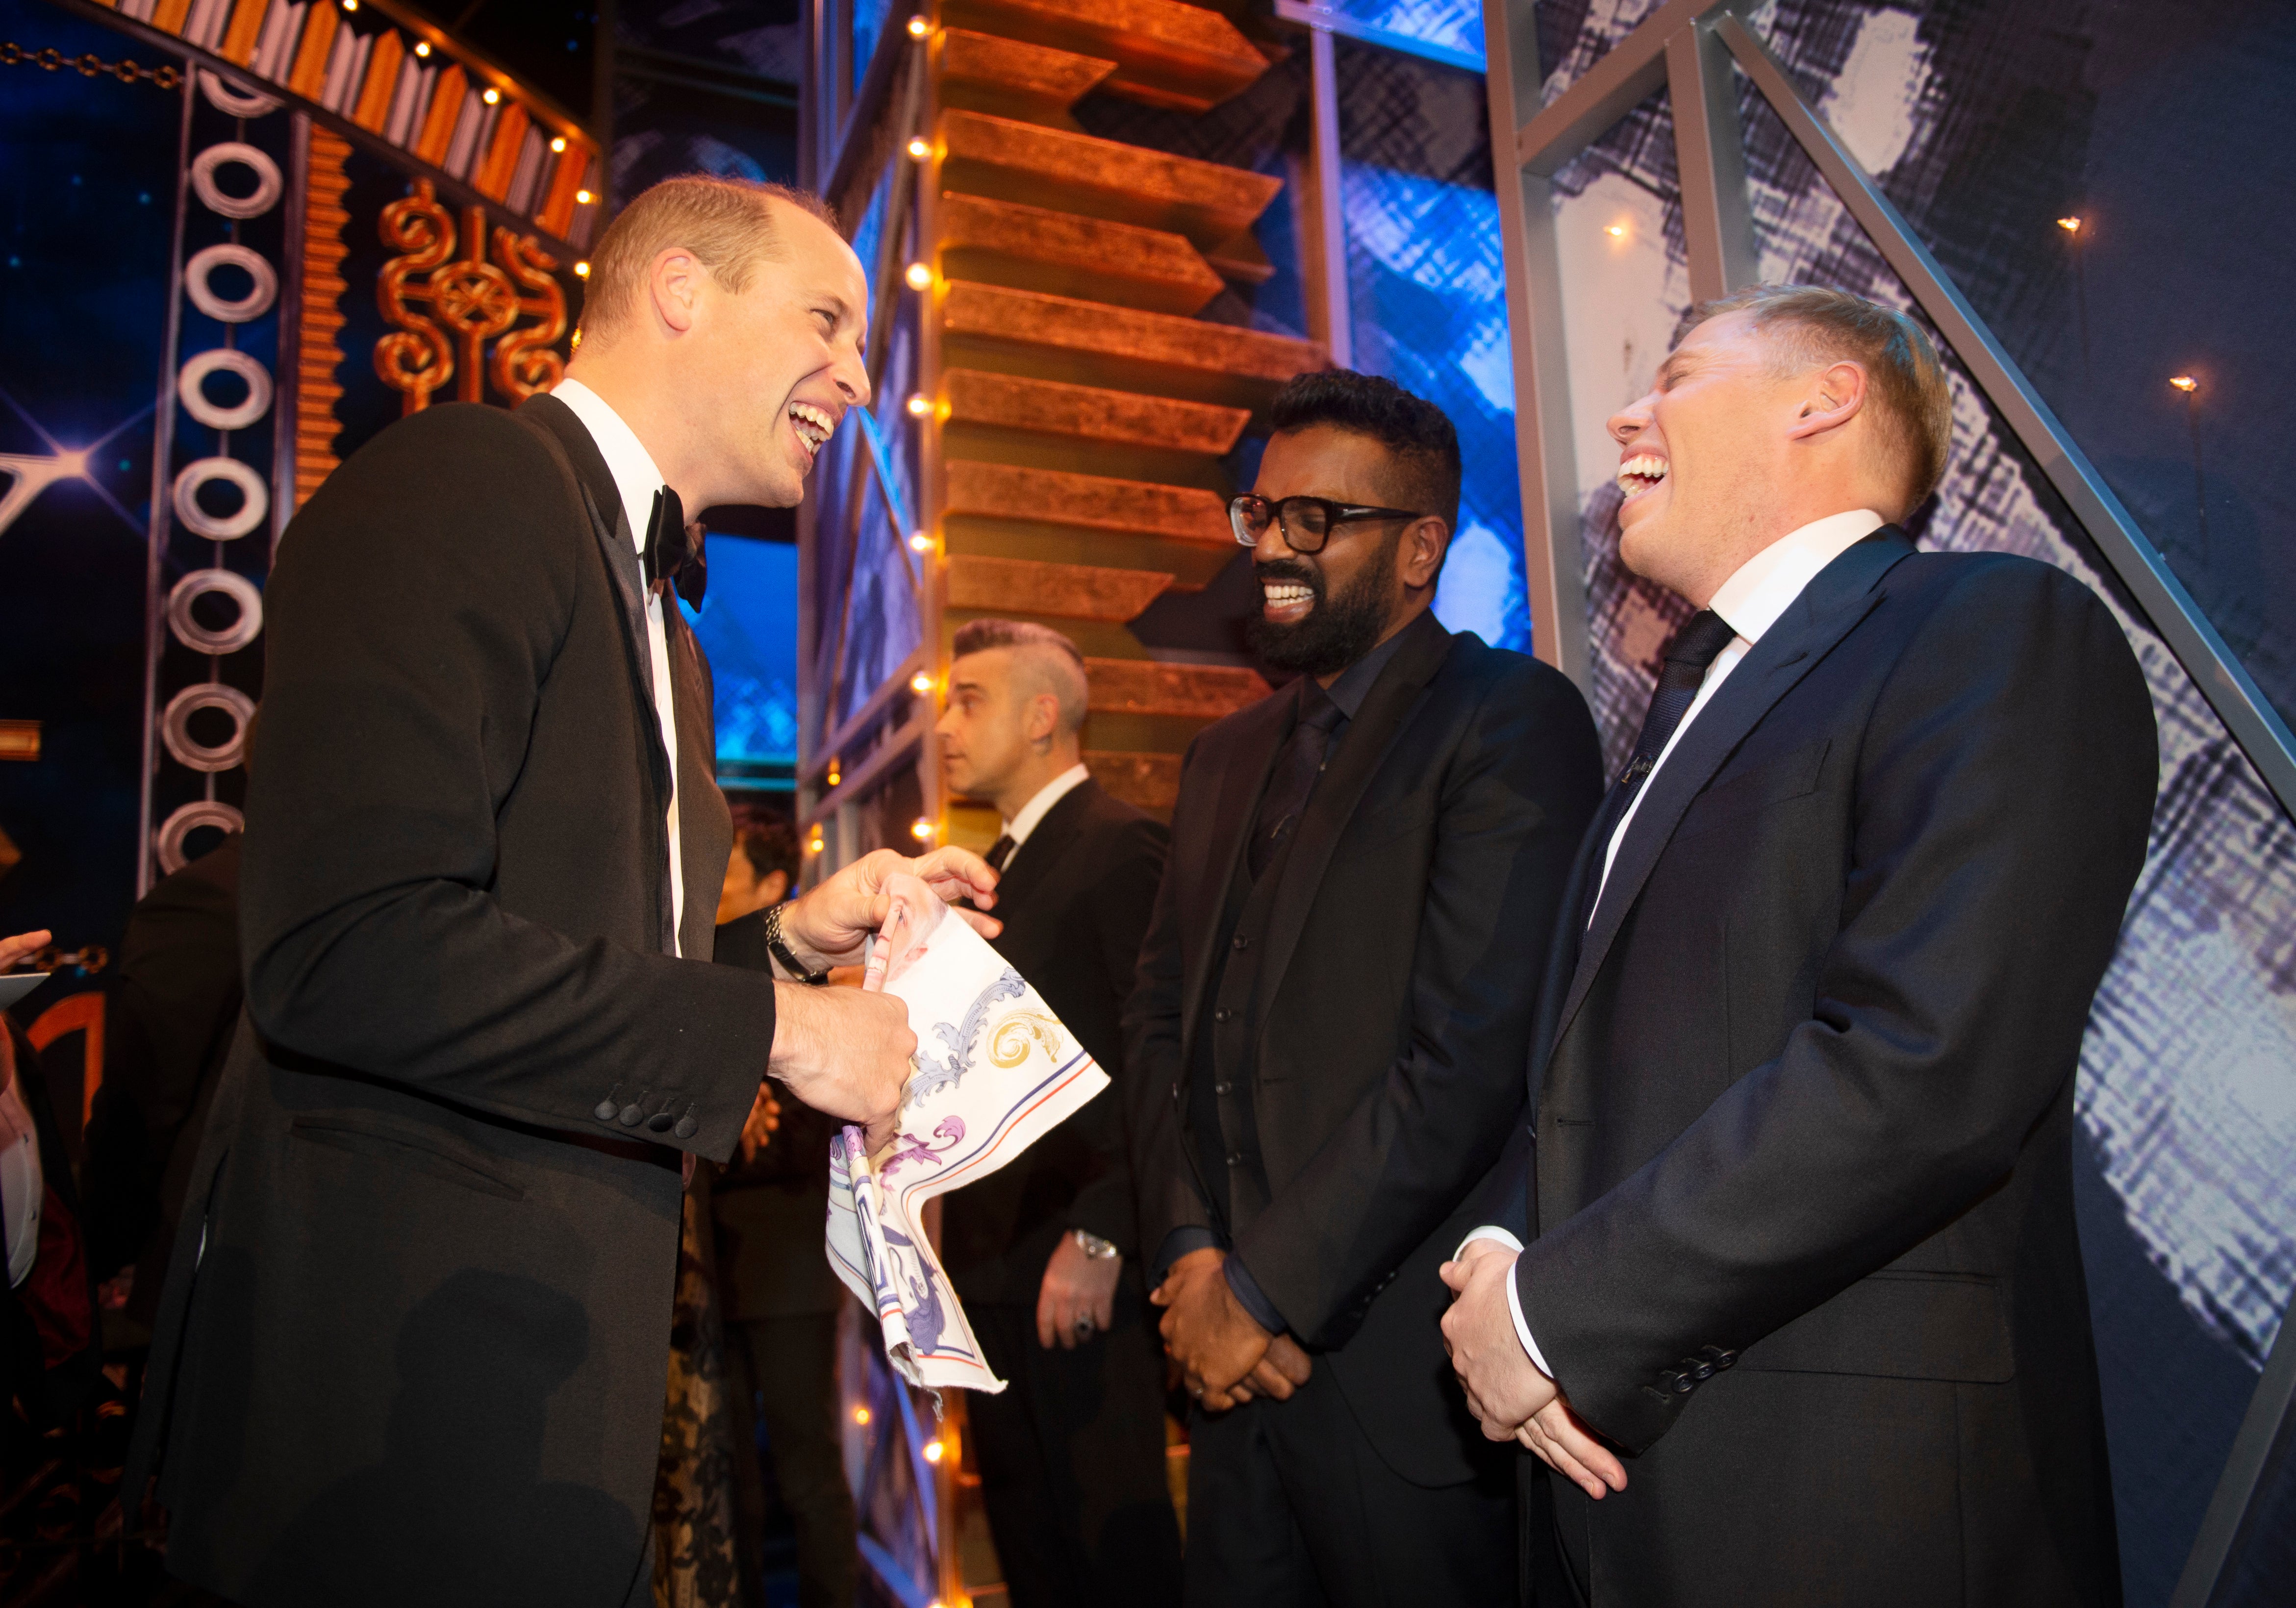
x: 14, y: 951
x: 844, y: 1052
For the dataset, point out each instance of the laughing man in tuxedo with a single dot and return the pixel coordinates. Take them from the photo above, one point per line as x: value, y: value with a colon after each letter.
x: 1329, y: 1019
x: 1790, y: 1306
x: 417, y: 1321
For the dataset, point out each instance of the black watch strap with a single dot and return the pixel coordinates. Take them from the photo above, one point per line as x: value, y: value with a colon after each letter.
x: 778, y: 947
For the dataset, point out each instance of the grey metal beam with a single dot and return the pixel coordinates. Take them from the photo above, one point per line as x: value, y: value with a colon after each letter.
x: 1325, y: 19
x: 1605, y: 92
x: 2225, y: 1523
x: 1553, y: 559
x: 2254, y: 724
x: 1717, y: 223
x: 1331, y: 318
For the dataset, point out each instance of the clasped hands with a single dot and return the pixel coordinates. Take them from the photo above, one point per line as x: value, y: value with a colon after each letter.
x: 843, y: 1052
x: 1224, y: 1355
x: 1505, y: 1391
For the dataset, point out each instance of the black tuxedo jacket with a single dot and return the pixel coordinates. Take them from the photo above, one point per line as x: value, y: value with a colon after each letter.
x: 1075, y: 900
x: 1394, y: 1003
x: 416, y: 1330
x: 1802, y: 1198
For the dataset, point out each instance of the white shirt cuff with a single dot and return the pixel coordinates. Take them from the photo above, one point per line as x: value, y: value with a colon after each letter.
x: 1498, y: 1235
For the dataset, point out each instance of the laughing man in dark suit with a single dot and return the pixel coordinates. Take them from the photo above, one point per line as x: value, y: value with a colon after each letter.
x: 1801, y: 1318
x: 1330, y: 1019
x: 1045, y: 1253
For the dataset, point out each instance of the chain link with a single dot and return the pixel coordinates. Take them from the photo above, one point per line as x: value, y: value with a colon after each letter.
x: 89, y: 66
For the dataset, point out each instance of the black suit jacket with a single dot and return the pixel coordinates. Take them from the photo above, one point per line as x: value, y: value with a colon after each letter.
x: 1075, y: 900
x: 1395, y: 997
x: 421, y: 1356
x: 1804, y: 1211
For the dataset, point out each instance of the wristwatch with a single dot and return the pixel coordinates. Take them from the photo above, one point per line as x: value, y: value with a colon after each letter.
x: 778, y: 947
x: 1098, y: 1249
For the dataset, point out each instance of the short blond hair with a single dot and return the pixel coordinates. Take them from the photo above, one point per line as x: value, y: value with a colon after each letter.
x: 1904, y: 373
x: 727, y: 222
x: 1048, y: 662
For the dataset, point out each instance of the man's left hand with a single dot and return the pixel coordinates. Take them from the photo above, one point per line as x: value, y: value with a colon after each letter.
x: 827, y: 924
x: 1216, y: 1341
x: 1508, y: 1394
x: 1078, y: 1298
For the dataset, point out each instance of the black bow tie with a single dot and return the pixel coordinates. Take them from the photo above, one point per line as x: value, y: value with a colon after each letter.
x: 671, y: 554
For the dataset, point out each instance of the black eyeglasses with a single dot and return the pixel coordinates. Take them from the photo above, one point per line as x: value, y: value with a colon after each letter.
x: 1307, y: 521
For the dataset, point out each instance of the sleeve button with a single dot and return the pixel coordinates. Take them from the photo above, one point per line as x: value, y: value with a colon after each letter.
x: 659, y: 1122
x: 631, y: 1115
x: 606, y: 1112
x: 686, y: 1128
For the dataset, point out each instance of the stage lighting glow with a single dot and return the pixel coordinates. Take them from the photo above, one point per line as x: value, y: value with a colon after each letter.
x: 423, y: 47
x: 922, y: 541
x: 493, y: 97
x: 2071, y: 226
x: 919, y: 276
x: 2185, y: 383
x: 558, y: 143
x: 922, y: 682
x: 834, y: 777
x: 581, y: 270
x: 351, y: 5
x: 584, y: 197
x: 860, y: 1415
x: 919, y: 27
x: 921, y: 830
x: 934, y: 1450
x: 1616, y: 231
x: 920, y: 405
x: 919, y: 149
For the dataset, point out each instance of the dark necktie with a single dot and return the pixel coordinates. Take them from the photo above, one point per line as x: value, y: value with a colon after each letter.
x: 1297, y: 765
x: 671, y: 555
x: 1000, y: 851
x: 1700, y: 642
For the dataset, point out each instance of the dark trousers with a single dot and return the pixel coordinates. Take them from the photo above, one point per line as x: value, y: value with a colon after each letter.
x: 791, y: 1363
x: 1289, y: 1506
x: 1072, y: 1458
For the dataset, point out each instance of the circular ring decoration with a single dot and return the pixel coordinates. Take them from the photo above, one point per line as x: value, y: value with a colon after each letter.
x: 255, y: 500
x: 190, y: 388
x: 253, y: 304
x: 233, y: 102
x: 267, y: 182
x: 176, y: 726
x: 232, y: 637
x: 189, y: 819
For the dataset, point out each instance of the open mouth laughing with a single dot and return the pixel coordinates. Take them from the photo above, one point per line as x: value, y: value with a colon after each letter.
x: 1285, y: 601
x: 812, y: 426
x: 1640, y: 472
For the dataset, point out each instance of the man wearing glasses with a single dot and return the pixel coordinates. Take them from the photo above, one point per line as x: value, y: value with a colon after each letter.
x: 1334, y: 1007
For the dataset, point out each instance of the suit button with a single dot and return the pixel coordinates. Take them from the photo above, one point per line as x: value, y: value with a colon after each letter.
x: 1720, y: 1358
x: 1242, y: 942
x: 631, y: 1115
x: 1222, y: 1087
x: 1681, y: 1384
x: 606, y: 1112
x: 659, y: 1122
x: 1222, y: 1014
x: 1703, y: 1371
x: 686, y: 1128
x: 1235, y: 1158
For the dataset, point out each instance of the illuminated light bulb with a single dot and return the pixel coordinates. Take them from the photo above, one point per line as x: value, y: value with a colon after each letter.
x: 860, y: 1415
x: 1615, y: 231
x: 921, y: 830
x: 934, y: 1450
x: 919, y: 275
x: 922, y: 541
x: 919, y: 27
x: 922, y: 682
x: 423, y: 47
x: 581, y: 270
x: 558, y: 143
x: 583, y: 198
x: 2185, y: 383
x: 835, y: 776
x: 920, y: 405
x: 492, y: 97
x: 2071, y: 226
x: 919, y: 149
x: 351, y: 5
x: 577, y: 341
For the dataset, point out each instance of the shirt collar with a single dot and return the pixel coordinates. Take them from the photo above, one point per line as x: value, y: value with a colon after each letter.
x: 627, y: 459
x: 1355, y: 683
x: 1034, y: 811
x: 1766, y: 583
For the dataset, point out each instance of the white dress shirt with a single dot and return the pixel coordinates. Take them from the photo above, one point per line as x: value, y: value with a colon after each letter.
x: 1040, y: 805
x: 23, y: 1186
x: 637, y: 480
x: 1750, y: 602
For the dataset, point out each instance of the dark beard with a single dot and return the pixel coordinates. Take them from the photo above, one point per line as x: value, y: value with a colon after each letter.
x: 1338, y: 630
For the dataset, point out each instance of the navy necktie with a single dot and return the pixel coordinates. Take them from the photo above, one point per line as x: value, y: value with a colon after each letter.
x: 1297, y: 765
x: 1695, y: 647
x: 1000, y: 851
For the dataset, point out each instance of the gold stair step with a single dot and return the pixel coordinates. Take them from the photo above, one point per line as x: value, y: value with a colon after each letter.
x: 1149, y: 686
x: 1149, y: 782
x: 1065, y: 591
x: 1048, y: 407
x: 1167, y: 54
x: 1092, y: 342
x: 1187, y: 514
x: 1009, y: 160
x: 1060, y: 254
x: 1003, y: 70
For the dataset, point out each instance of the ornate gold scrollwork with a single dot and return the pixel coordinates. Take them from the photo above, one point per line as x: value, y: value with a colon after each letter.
x: 473, y: 299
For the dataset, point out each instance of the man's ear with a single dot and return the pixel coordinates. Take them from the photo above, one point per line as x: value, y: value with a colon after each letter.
x: 1832, y: 396
x: 1419, y: 556
x: 1041, y: 718
x: 674, y: 286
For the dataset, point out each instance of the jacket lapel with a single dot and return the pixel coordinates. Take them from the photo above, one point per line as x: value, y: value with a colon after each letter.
x: 1840, y: 595
x: 1248, y: 754
x: 1363, y: 750
x: 705, y: 826
x: 1025, y: 872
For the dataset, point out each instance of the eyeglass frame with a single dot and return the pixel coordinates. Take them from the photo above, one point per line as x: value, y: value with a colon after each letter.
x: 1335, y: 515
